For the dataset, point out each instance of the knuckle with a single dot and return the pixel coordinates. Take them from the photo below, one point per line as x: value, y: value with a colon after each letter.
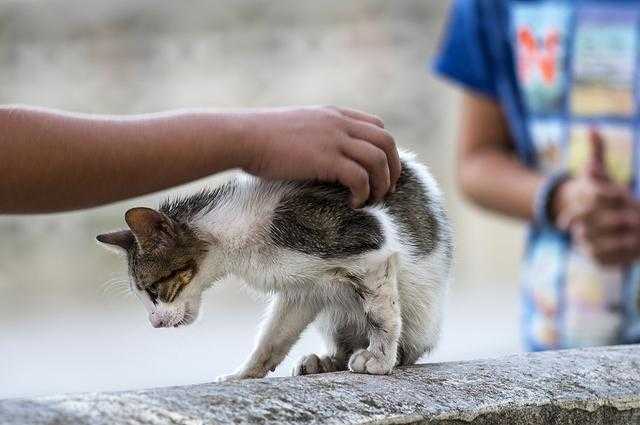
x: 380, y: 159
x: 388, y: 139
x: 331, y: 110
x: 362, y: 178
x: 378, y: 121
x: 335, y: 119
x: 338, y: 141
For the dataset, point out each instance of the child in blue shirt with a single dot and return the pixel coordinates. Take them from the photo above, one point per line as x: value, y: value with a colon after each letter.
x: 549, y: 133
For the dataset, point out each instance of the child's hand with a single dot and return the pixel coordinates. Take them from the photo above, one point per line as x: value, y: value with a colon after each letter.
x: 323, y: 143
x: 612, y: 237
x: 602, y: 217
x: 582, y: 198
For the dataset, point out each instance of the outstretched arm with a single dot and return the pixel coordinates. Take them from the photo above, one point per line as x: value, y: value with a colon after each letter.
x: 56, y: 161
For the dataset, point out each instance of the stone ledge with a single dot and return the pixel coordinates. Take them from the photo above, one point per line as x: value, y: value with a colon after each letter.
x: 585, y: 386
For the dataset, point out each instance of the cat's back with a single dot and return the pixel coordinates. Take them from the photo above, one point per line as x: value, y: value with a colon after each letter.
x: 317, y: 219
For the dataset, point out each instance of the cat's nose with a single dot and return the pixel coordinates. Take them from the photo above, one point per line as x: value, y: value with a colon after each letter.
x: 157, y: 321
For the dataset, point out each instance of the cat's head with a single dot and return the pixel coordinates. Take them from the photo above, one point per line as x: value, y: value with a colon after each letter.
x: 164, y: 258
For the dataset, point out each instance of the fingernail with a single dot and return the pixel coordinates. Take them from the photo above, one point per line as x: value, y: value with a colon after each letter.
x: 393, y: 188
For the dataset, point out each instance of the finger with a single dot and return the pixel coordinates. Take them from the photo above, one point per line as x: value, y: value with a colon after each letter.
x: 361, y: 116
x: 616, y: 258
x: 596, y: 167
x: 567, y: 219
x: 578, y: 233
x: 374, y: 160
x: 383, y: 140
x: 355, y: 177
x: 575, y: 213
x: 610, y: 196
x: 592, y: 201
x: 610, y: 223
x: 616, y: 250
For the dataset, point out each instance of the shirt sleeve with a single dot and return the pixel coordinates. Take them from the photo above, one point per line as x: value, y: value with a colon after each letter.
x: 464, y: 56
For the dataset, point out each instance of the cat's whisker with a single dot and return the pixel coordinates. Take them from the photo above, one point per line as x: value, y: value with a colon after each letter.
x: 116, y: 286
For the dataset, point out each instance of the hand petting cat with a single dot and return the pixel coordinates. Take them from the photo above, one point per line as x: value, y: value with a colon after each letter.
x: 339, y: 145
x: 58, y: 161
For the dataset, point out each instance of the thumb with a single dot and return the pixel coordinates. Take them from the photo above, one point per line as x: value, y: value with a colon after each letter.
x: 596, y: 167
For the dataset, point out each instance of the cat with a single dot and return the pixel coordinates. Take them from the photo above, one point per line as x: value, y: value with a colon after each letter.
x: 372, y: 279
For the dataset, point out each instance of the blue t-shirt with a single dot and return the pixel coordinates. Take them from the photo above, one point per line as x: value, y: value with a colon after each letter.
x: 560, y: 69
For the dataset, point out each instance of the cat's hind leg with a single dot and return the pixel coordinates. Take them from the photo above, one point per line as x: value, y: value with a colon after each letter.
x: 378, y: 290
x: 312, y: 364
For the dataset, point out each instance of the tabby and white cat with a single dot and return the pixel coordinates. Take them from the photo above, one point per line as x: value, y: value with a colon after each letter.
x: 373, y: 279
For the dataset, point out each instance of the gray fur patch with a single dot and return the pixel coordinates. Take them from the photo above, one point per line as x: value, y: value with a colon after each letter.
x: 419, y: 218
x: 185, y: 209
x: 317, y: 219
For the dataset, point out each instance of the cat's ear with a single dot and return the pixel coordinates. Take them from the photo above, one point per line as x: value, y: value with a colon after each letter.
x: 119, y: 241
x: 151, y: 228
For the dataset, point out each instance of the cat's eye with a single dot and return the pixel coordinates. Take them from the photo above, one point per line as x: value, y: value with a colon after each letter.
x: 152, y: 291
x: 169, y: 287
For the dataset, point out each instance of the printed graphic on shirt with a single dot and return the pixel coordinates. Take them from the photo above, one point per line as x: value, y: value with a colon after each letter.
x: 593, y: 302
x: 540, y: 50
x: 604, y: 58
x: 547, y: 137
x: 618, y: 145
x: 542, y: 272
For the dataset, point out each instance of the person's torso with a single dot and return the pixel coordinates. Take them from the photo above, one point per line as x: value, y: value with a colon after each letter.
x: 565, y: 69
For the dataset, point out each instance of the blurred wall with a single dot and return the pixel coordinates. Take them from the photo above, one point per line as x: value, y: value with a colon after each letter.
x: 57, y: 316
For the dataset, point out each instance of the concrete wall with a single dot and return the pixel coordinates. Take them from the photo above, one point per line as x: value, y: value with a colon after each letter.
x: 587, y: 386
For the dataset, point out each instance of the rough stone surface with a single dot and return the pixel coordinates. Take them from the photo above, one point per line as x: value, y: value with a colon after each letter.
x: 587, y: 386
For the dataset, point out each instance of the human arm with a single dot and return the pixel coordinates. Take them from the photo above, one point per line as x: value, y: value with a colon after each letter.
x: 489, y: 173
x: 57, y: 161
x: 601, y: 215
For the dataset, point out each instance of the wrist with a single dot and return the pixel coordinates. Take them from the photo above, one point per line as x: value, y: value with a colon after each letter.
x: 551, y: 200
x: 239, y: 141
x: 249, y: 142
x: 559, y: 200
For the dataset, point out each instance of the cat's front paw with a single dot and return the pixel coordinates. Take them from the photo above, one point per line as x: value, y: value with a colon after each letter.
x: 229, y: 378
x: 238, y: 376
x: 365, y: 361
x: 311, y: 364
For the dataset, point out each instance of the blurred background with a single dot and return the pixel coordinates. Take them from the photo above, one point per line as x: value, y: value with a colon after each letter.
x: 64, y: 327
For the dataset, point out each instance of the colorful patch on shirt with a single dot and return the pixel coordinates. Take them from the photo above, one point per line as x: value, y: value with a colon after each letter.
x: 547, y: 137
x: 604, y: 60
x: 540, y: 50
x: 593, y: 302
x: 542, y: 272
x: 618, y: 145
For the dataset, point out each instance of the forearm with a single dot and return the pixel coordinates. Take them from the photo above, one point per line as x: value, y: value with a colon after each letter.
x: 495, y: 180
x: 488, y: 171
x: 55, y: 161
